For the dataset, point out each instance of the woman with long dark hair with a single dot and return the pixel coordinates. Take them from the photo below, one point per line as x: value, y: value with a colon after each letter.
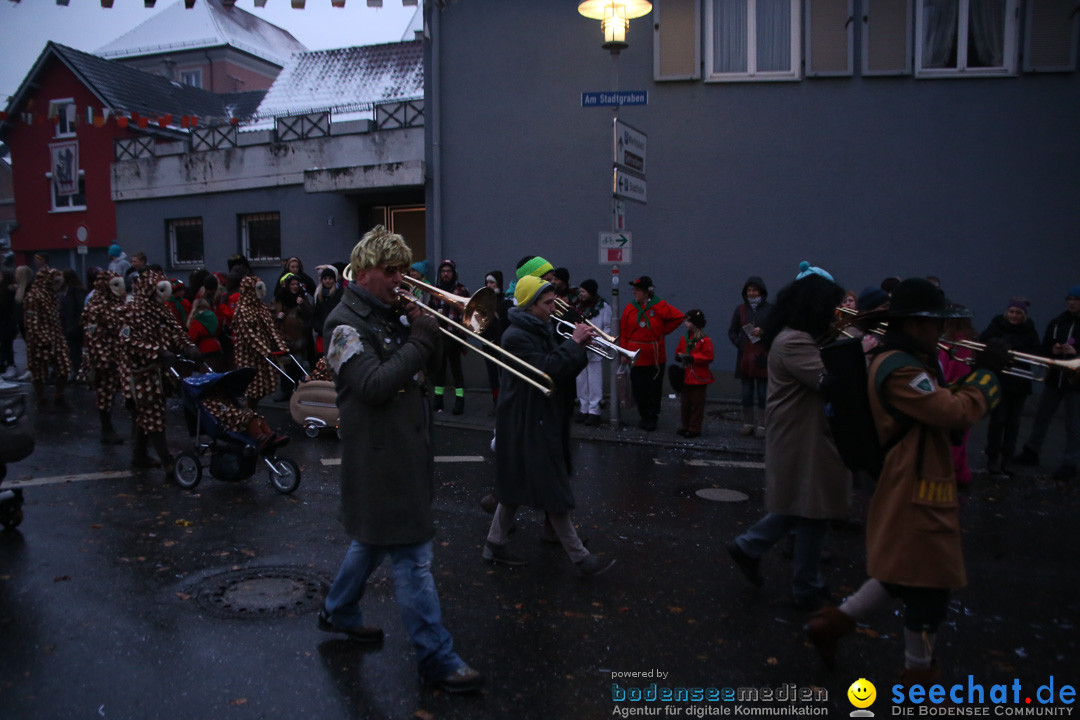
x: 806, y: 483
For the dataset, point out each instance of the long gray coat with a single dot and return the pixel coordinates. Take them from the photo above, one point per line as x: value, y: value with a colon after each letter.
x: 532, y: 432
x: 387, y: 461
x: 804, y: 474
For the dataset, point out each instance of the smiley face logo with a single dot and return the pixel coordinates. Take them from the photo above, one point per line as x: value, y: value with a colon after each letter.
x: 862, y: 693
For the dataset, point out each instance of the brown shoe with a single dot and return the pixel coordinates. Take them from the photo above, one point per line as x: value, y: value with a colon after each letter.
x: 921, y: 676
x: 825, y: 630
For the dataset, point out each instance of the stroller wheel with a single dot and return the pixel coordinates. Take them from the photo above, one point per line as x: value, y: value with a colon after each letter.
x: 284, y: 474
x: 311, y: 430
x: 187, y: 470
x: 11, y: 513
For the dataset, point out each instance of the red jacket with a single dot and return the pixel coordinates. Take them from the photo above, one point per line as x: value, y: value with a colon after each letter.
x: 657, y: 319
x: 697, y: 372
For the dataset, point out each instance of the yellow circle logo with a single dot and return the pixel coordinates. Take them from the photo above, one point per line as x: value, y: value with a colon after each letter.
x: 862, y: 693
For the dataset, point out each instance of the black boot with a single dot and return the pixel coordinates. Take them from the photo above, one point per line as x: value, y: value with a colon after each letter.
x: 459, y: 405
x: 437, y: 405
x: 108, y: 434
x: 139, y: 456
x: 161, y: 447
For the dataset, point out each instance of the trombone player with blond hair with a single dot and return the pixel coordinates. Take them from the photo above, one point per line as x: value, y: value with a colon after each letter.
x: 387, y: 463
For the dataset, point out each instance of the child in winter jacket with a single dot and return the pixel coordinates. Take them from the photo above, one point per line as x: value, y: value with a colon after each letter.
x: 695, y: 352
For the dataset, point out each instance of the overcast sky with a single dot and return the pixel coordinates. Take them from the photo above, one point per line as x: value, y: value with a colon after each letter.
x: 85, y: 25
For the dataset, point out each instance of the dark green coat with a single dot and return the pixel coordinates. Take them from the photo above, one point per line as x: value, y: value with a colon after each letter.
x: 387, y: 461
x: 532, y: 432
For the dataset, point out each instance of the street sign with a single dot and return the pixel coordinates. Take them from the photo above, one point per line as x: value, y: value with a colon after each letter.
x: 615, y: 247
x: 608, y: 99
x: 82, y: 233
x: 628, y: 186
x: 630, y: 147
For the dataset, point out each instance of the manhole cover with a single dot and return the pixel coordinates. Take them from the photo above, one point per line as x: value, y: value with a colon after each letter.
x: 721, y: 495
x: 267, y: 592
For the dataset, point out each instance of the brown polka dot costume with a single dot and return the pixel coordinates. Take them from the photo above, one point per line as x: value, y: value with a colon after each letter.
x: 102, y: 318
x: 255, y: 338
x: 231, y: 416
x: 45, y: 343
x: 149, y: 327
x: 321, y: 371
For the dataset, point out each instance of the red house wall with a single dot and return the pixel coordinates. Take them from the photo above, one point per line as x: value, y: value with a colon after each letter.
x: 41, y: 228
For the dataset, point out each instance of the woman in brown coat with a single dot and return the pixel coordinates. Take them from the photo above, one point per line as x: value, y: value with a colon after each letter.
x: 806, y: 483
x: 913, y: 529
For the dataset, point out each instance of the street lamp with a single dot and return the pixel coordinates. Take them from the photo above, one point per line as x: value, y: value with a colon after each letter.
x: 614, y: 17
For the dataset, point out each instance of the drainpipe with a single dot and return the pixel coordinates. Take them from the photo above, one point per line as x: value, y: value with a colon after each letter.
x: 434, y: 116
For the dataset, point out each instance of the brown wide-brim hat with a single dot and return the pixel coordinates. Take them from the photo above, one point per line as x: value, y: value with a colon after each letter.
x: 918, y: 297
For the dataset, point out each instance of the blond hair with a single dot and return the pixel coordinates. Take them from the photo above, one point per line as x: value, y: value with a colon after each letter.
x: 379, y: 246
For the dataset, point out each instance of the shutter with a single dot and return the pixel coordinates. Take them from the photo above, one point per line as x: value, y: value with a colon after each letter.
x: 676, y: 40
x: 886, y: 40
x: 1050, y: 38
x: 830, y: 32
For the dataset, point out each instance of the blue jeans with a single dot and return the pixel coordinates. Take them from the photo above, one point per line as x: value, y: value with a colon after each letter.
x: 754, y: 389
x: 806, y: 578
x: 416, y: 596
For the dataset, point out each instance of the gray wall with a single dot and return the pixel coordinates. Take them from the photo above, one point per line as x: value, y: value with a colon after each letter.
x: 976, y: 181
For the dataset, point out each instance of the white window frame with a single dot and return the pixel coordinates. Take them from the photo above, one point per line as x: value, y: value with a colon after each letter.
x: 793, y: 73
x: 65, y: 126
x: 877, y: 32
x: 1049, y: 21
x: 245, y: 238
x: 171, y: 225
x: 195, y: 72
x: 667, y: 34
x: 812, y: 34
x: 53, y: 198
x: 1009, y: 54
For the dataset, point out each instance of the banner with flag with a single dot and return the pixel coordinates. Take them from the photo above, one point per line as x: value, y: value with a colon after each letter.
x: 65, y: 166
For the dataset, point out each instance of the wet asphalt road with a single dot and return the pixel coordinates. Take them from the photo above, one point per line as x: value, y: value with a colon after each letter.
x: 104, y: 608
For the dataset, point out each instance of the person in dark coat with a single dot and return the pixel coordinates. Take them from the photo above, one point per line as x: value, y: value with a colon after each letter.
x: 1017, y: 330
x: 387, y: 462
x: 751, y: 360
x: 532, y: 431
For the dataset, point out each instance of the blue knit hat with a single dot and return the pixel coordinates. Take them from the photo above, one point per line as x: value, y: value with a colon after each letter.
x: 1074, y: 291
x: 115, y: 250
x: 806, y: 269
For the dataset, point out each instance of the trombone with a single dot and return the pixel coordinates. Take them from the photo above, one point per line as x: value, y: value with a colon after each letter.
x: 603, y: 344
x: 1021, y: 365
x: 476, y: 312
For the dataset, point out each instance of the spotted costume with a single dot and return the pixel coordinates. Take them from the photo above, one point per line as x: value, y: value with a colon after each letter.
x: 45, y: 343
x: 149, y: 327
x: 255, y: 338
x: 102, y: 317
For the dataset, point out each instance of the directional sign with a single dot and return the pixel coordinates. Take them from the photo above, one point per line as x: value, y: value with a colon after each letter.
x: 628, y: 186
x: 607, y: 99
x: 630, y: 147
x: 615, y: 247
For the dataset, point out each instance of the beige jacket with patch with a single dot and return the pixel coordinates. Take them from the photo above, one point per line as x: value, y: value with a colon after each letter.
x: 913, y: 528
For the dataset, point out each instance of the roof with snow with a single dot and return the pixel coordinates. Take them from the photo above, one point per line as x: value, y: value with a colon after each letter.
x: 347, y: 79
x: 209, y: 24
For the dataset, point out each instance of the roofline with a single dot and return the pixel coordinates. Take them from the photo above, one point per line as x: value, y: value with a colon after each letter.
x: 201, y: 44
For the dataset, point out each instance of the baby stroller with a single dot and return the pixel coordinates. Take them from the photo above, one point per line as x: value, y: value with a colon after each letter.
x: 234, y: 456
x: 313, y: 406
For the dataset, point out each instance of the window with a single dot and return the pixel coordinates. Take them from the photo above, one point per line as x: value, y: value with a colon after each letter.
x: 965, y: 37
x: 191, y: 77
x: 830, y: 32
x: 260, y: 236
x: 68, y: 202
x: 886, y: 37
x: 752, y: 40
x: 676, y: 49
x: 185, y: 240
x: 63, y: 112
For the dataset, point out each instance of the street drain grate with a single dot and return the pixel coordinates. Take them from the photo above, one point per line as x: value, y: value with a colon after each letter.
x: 260, y: 593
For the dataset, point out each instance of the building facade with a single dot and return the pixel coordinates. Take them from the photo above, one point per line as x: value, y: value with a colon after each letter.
x: 873, y: 138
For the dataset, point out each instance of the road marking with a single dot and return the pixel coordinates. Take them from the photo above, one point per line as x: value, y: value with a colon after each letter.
x: 56, y: 480
x: 716, y: 463
x: 438, y: 458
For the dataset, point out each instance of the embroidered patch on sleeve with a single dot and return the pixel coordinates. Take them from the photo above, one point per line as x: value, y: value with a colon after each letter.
x: 344, y: 343
x: 922, y: 383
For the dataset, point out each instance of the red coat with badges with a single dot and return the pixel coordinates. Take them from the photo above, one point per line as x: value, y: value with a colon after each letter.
x: 913, y: 528
x: 696, y: 371
x: 644, y: 328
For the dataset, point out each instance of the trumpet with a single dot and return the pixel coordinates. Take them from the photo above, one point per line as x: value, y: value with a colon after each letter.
x: 476, y: 312
x: 600, y: 344
x: 1021, y: 365
x: 569, y: 313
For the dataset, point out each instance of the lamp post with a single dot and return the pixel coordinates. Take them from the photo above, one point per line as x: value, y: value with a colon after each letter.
x: 614, y: 17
